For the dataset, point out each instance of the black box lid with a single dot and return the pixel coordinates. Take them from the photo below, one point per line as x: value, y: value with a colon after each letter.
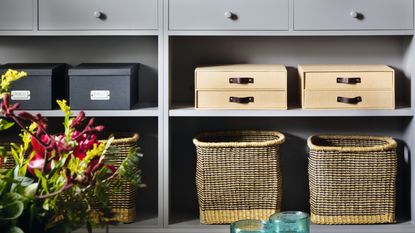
x: 104, y: 69
x: 34, y: 69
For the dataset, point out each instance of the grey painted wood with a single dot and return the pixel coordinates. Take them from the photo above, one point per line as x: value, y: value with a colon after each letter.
x: 190, y: 111
x: 170, y: 57
x: 353, y: 14
x: 16, y: 15
x: 98, y: 14
x: 292, y: 33
x: 228, y: 15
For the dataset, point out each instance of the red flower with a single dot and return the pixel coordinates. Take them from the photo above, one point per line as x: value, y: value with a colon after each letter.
x: 5, y: 107
x: 85, y: 143
x: 80, y: 118
x: 38, y: 161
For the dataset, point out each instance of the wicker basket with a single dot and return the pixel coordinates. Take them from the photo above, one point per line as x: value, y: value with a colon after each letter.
x: 352, y: 179
x: 10, y: 161
x: 123, y: 195
x: 238, y: 175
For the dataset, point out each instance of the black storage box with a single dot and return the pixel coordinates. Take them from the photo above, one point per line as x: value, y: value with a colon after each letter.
x: 103, y: 86
x: 44, y: 84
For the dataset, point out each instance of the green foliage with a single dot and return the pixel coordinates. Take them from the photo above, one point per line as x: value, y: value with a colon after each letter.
x: 14, y: 229
x: 128, y: 169
x: 4, y: 124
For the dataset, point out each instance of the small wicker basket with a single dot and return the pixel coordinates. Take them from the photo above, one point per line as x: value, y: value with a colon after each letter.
x: 9, y: 164
x: 238, y: 175
x: 352, y: 179
x: 123, y: 194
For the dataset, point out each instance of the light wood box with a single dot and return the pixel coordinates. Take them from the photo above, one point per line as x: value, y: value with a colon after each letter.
x: 347, y: 86
x: 244, y: 86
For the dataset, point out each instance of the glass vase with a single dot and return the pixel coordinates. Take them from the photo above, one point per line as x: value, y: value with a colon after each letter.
x: 290, y: 222
x: 249, y: 226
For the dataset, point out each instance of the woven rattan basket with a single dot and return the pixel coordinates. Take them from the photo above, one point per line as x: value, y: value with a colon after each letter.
x: 123, y: 194
x: 10, y: 161
x: 238, y: 175
x: 352, y: 179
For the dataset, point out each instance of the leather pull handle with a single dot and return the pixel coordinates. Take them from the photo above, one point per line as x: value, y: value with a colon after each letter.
x: 347, y: 100
x: 349, y: 80
x: 241, y: 80
x: 241, y: 100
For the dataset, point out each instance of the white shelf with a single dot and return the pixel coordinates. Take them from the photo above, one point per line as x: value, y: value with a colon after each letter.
x: 290, y: 33
x: 143, y: 224
x: 142, y: 110
x: 189, y: 111
x: 404, y: 227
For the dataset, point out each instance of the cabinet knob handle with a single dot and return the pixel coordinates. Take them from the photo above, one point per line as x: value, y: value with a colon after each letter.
x: 98, y: 14
x: 354, y: 14
x: 228, y: 14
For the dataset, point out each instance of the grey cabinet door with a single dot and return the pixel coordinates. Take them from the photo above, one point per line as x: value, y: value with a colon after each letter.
x: 228, y: 14
x: 98, y: 14
x: 16, y: 15
x: 353, y: 14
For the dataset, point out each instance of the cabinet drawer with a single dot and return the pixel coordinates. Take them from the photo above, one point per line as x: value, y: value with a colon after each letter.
x: 330, y: 100
x: 16, y: 15
x: 97, y: 14
x: 348, y: 80
x: 228, y: 15
x: 241, y: 80
x: 247, y: 99
x: 353, y: 14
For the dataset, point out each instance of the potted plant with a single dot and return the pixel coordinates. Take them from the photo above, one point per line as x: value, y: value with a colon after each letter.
x: 59, y: 181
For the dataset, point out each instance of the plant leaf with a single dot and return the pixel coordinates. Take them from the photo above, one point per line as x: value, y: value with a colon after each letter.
x: 11, y: 197
x: 11, y: 210
x: 30, y: 190
x: 4, y: 124
x: 14, y: 229
x: 43, y: 180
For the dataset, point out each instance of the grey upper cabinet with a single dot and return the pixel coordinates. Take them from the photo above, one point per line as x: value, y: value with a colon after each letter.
x: 16, y: 15
x: 353, y: 14
x: 228, y: 14
x: 98, y: 14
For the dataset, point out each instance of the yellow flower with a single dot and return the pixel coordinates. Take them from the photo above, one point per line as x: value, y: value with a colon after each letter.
x: 64, y: 107
x: 9, y: 77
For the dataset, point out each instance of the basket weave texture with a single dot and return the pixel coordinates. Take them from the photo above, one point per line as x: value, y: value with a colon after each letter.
x: 352, y: 179
x: 238, y: 175
x: 123, y: 194
x: 9, y: 164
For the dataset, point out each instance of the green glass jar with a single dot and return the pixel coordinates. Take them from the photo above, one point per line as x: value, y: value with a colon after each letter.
x: 289, y: 222
x: 249, y: 226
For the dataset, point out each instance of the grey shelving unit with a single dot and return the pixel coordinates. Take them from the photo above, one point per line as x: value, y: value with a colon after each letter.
x: 178, y: 35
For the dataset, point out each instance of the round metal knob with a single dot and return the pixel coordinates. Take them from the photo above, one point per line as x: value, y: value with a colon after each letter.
x: 354, y: 14
x: 228, y: 14
x: 98, y: 14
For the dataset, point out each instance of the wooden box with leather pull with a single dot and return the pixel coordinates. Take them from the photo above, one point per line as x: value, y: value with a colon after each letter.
x: 244, y: 86
x: 347, y: 86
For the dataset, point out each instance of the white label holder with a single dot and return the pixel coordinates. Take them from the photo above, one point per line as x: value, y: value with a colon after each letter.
x: 100, y: 94
x: 20, y: 95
